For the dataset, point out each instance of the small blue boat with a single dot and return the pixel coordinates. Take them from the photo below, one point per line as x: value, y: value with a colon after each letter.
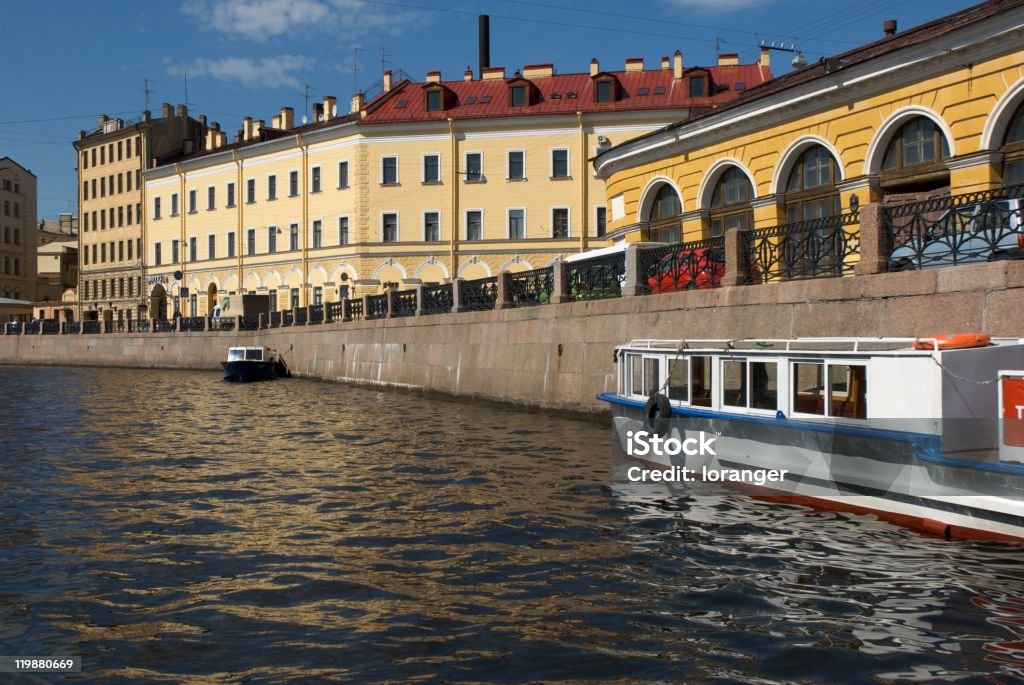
x: 254, y: 363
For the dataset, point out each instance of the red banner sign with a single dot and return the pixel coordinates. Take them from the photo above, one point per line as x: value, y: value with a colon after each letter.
x: 1013, y: 411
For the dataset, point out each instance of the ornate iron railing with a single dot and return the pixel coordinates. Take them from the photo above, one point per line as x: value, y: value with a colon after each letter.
x: 91, y: 326
x: 955, y: 229
x: 71, y: 327
x: 275, y: 319
x: 13, y: 328
x: 316, y: 313
x: 478, y: 294
x: 437, y: 299
x: 301, y: 316
x: 403, y: 303
x: 682, y: 266
x: 228, y: 323
x: 51, y: 327
x: 249, y: 323
x: 193, y: 324
x: 335, y: 311
x: 138, y: 326
x: 378, y: 306
x: 108, y: 326
x: 816, y: 248
x: 528, y: 288
x: 597, y: 277
x: 354, y: 310
x: 287, y: 317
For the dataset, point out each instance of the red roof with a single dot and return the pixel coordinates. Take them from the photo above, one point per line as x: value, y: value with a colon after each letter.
x: 565, y: 94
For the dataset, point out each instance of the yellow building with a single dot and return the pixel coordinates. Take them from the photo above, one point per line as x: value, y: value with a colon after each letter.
x: 426, y: 182
x: 111, y: 159
x: 17, y: 240
x: 933, y: 110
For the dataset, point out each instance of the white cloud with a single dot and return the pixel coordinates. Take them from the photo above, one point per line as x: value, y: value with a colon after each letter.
x: 262, y: 20
x: 269, y: 72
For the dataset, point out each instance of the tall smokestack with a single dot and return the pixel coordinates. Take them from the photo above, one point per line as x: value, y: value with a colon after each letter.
x: 485, y: 43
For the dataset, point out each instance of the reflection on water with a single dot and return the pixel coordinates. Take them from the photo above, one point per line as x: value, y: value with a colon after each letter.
x: 170, y: 527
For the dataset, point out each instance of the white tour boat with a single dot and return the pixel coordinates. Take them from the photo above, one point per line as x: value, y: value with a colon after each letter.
x: 927, y: 432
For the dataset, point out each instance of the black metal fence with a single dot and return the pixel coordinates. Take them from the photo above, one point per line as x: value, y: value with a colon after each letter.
x: 403, y: 303
x: 597, y: 277
x: 682, y: 266
x: 335, y: 311
x: 528, y: 288
x: 955, y: 229
x: 300, y: 316
x: 479, y: 294
x: 437, y: 299
x: 193, y: 324
x: 287, y: 317
x: 378, y: 306
x: 51, y: 327
x: 815, y: 248
x: 353, y: 310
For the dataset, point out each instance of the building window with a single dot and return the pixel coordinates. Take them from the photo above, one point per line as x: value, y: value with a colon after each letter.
x: 129, y: 250
x: 120, y: 217
x: 293, y: 236
x: 811, y: 189
x: 231, y: 243
x: 517, y: 96
x: 191, y: 202
x: 193, y: 249
x: 94, y: 157
x: 1013, y: 150
x: 605, y: 91
x: 211, y: 247
x: 271, y: 239
x: 127, y: 181
x: 730, y: 202
x: 120, y: 184
x: 156, y: 210
x: 294, y: 297
x: 516, y: 165
x: 175, y: 254
x: 342, y: 175
x: 697, y: 89
x: 431, y: 226
x: 434, y: 100
x: 914, y: 158
x: 120, y: 250
x: 250, y: 191
x: 94, y: 189
x: 272, y: 187
x: 250, y: 241
x: 389, y: 171
x: 211, y: 198
x: 94, y: 254
x: 129, y: 212
x: 174, y: 204
x: 516, y: 224
x: 389, y: 227
x: 316, y: 179
x: 318, y: 234
x: 231, y: 195
x: 103, y: 192
x: 343, y: 230
x: 560, y: 163
x: 601, y: 221
x: 474, y: 224
x: 474, y: 167
x: 560, y: 222
x: 431, y: 169
x: 318, y: 295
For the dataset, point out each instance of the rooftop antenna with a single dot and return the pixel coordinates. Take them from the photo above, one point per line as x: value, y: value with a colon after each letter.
x: 384, y: 61
x: 307, y: 96
x: 146, y: 92
x: 355, y: 69
x: 186, y: 89
x: 798, y: 57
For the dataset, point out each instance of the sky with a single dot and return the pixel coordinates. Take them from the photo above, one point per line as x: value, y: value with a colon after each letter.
x: 67, y: 62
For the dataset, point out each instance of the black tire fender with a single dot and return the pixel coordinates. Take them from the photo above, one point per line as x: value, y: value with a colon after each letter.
x: 657, y: 414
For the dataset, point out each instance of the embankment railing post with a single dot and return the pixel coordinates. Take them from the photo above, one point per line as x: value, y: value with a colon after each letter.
x: 874, y: 258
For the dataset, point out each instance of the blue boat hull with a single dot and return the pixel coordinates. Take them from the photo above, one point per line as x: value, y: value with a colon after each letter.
x: 246, y: 371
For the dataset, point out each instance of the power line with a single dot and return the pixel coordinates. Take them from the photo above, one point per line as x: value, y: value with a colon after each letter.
x: 67, y: 118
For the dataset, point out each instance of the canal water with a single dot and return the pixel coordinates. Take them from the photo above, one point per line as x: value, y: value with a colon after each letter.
x: 170, y: 527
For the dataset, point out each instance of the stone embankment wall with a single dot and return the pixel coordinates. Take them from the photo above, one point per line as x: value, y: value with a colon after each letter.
x: 561, y: 355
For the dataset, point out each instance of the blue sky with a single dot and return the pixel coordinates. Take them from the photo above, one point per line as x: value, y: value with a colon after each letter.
x: 251, y: 57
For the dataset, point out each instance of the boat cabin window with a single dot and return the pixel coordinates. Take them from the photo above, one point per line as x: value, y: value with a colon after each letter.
x: 700, y: 381
x: 236, y: 354
x: 679, y: 380
x: 750, y: 384
x: 643, y: 375
x: 652, y: 375
x: 255, y: 354
x: 847, y: 385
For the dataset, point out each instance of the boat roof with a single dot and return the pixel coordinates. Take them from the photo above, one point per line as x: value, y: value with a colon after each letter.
x: 839, y: 345
x: 246, y: 347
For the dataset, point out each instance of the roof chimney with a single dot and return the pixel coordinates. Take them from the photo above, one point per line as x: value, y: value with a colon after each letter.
x: 246, y: 128
x: 387, y: 80
x: 330, y: 107
x: 275, y: 121
x: 358, y: 102
x: 287, y: 118
x: 493, y: 73
x: 595, y: 67
x: 180, y: 110
x: 666, y: 63
x: 485, y: 43
x: 538, y: 70
x: 677, y: 65
x: 433, y: 77
x: 146, y: 115
x: 728, y: 59
x: 101, y: 119
x: 257, y: 127
x: 889, y: 26
x: 467, y: 75
x: 634, y: 64
x: 166, y: 110
x: 766, y: 57
x: 202, y: 120
x: 318, y: 111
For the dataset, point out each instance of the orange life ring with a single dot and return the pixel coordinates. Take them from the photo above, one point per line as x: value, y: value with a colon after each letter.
x: 953, y: 341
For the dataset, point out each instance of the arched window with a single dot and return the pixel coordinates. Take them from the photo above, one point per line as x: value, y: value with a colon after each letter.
x: 914, y: 157
x: 665, y: 224
x: 811, y: 189
x: 730, y: 202
x: 1013, y: 150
